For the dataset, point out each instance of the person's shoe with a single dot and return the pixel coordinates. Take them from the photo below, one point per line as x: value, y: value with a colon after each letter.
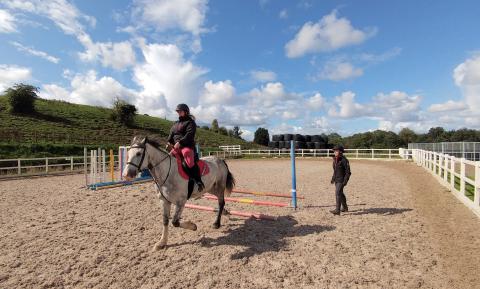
x: 344, y: 209
x: 335, y: 212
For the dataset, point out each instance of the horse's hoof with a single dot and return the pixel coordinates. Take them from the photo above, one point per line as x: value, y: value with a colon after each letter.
x: 159, y: 247
x: 215, y: 226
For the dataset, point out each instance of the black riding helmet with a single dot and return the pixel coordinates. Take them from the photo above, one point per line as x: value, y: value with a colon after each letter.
x: 339, y: 148
x: 183, y: 107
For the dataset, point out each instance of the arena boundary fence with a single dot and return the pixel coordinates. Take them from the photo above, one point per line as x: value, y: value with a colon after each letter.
x: 459, y: 175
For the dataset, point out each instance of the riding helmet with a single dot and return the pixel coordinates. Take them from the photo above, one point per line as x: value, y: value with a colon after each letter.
x: 339, y: 148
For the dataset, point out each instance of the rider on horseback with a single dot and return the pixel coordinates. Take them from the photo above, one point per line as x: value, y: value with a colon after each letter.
x: 182, y: 138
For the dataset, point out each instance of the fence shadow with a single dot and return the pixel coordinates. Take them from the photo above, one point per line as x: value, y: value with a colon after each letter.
x: 379, y: 211
x: 260, y: 236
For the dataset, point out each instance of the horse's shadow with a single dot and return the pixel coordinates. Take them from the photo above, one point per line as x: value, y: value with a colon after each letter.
x: 258, y: 236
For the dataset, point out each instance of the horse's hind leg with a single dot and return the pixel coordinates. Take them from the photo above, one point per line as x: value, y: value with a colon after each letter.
x: 176, y: 219
x: 221, y: 205
x: 166, y: 216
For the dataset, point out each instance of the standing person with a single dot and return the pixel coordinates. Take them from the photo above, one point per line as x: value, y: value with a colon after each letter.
x: 182, y: 138
x: 341, y: 175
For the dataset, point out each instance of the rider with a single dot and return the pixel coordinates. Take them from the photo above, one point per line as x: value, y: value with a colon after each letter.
x: 182, y: 138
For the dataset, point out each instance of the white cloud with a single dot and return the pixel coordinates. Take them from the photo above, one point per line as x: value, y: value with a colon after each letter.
x: 396, y: 106
x: 378, y: 58
x: 7, y: 22
x: 269, y: 94
x: 339, y: 70
x: 447, y: 106
x: 316, y: 102
x: 35, y: 52
x: 329, y: 34
x: 11, y: 74
x: 247, y: 135
x: 347, y: 107
x: 165, y: 73
x: 283, y: 14
x: 221, y: 92
x: 185, y: 15
x: 118, y: 55
x: 467, y: 77
x: 263, y: 75
x: 88, y: 89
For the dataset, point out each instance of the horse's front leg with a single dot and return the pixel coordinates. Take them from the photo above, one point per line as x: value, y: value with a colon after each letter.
x: 177, y: 215
x: 166, y: 216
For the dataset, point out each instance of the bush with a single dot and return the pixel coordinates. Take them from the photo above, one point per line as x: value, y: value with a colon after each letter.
x: 21, y: 98
x: 124, y: 112
x: 261, y: 136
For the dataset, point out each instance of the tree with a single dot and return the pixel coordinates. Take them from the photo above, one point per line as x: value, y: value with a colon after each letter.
x: 334, y: 138
x: 437, y: 134
x: 223, y: 131
x: 21, y: 98
x: 123, y: 112
x: 407, y: 136
x: 214, y: 126
x: 236, y: 132
x: 261, y: 136
x: 205, y: 127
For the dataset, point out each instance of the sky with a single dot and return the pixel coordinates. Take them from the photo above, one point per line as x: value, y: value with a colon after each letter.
x: 290, y: 66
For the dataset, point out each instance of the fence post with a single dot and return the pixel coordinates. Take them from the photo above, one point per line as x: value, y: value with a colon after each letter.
x: 462, y: 176
x: 71, y: 164
x: 302, y: 153
x: 445, y: 168
x: 434, y: 156
x: 85, y: 166
x: 452, y: 173
x: 19, y: 167
x: 46, y: 165
x: 476, y: 197
x: 390, y: 154
x: 373, y: 154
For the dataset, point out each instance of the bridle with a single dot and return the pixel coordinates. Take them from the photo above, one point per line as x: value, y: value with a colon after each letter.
x: 150, y: 167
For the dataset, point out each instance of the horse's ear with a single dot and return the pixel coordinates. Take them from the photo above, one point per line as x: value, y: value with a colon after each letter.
x: 145, y: 140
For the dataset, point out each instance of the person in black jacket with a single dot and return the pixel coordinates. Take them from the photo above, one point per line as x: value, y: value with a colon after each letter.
x: 182, y: 138
x: 341, y: 175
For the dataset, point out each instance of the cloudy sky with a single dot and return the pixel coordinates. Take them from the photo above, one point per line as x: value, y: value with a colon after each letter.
x: 310, y: 66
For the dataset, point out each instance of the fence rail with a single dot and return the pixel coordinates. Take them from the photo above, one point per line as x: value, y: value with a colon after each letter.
x: 460, y: 175
x: 350, y: 153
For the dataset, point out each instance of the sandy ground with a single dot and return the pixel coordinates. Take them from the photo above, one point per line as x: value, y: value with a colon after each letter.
x: 404, y: 230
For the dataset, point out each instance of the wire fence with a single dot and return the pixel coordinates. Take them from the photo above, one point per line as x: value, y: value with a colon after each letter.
x: 466, y: 150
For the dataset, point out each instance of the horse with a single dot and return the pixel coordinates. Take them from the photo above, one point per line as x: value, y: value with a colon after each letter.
x: 147, y: 153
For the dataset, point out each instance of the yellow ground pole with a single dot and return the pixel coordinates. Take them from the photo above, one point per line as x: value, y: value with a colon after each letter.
x: 112, y: 168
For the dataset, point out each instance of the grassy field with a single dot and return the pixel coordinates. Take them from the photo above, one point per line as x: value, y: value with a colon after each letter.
x: 61, y: 128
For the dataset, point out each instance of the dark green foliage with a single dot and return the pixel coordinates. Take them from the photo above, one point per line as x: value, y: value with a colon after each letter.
x: 214, y: 126
x: 21, y: 98
x: 261, y: 136
x: 236, y: 133
x: 123, y: 112
x: 205, y: 127
x: 223, y: 131
x: 407, y: 136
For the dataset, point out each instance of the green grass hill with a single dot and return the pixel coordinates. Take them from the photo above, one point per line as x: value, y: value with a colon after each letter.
x: 61, y: 128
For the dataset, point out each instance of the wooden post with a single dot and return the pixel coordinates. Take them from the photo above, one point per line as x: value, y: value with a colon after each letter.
x: 46, y: 165
x: 19, y: 167
x: 452, y: 173
x: 71, y: 164
x: 476, y: 197
x: 390, y: 154
x: 462, y: 176
x: 445, y: 168
x: 357, y: 154
x: 373, y: 154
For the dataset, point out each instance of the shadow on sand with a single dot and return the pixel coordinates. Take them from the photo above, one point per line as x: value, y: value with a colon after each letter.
x: 379, y: 211
x: 257, y: 236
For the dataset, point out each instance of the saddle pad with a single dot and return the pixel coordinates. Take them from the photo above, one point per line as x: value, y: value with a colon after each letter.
x: 204, y: 169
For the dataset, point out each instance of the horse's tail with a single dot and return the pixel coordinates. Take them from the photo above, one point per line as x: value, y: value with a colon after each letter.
x: 230, y: 181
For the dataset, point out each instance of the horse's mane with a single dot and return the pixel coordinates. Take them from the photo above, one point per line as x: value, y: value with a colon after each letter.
x: 152, y: 139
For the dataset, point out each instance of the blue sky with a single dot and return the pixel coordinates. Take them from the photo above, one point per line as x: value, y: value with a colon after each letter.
x: 291, y: 66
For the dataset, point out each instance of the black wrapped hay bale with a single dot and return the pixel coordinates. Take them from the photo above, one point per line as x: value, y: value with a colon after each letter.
x: 308, y: 138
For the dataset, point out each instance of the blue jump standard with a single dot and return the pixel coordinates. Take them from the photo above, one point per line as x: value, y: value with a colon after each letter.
x: 123, y: 183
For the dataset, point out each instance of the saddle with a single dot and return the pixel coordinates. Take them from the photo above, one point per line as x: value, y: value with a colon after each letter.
x: 185, y: 173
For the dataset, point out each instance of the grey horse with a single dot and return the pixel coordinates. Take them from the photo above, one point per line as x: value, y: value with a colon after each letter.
x: 147, y: 153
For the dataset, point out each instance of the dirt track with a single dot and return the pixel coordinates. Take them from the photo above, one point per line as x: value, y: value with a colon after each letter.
x: 403, y: 230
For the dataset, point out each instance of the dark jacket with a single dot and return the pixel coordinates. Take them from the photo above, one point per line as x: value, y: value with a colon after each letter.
x: 341, y: 170
x: 183, y: 131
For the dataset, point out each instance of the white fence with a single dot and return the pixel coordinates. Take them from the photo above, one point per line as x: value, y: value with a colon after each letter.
x: 350, y: 153
x: 40, y: 166
x: 466, y: 150
x: 459, y: 175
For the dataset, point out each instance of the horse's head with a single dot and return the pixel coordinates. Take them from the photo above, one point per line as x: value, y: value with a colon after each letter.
x: 137, y: 158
